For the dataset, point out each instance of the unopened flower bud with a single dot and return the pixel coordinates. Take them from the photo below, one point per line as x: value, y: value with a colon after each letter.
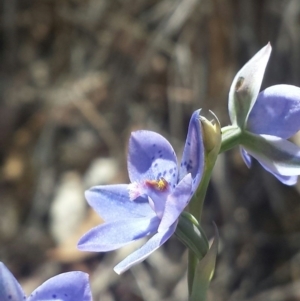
x: 211, y: 134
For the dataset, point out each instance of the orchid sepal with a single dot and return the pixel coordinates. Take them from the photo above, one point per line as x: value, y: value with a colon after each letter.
x: 246, y: 85
x: 277, y: 155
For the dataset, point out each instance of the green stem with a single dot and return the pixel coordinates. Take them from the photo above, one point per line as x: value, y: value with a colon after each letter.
x: 192, y: 264
x: 195, y: 208
x: 230, y: 137
x: 197, y: 201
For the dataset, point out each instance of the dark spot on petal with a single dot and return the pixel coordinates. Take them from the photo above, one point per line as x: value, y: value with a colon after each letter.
x: 165, y: 172
x: 66, y: 295
x: 9, y: 297
x: 173, y: 185
x: 189, y: 167
x: 152, y: 158
x: 171, y: 171
x: 239, y: 83
x: 155, y: 165
x: 54, y: 296
x: 184, y: 163
x: 154, y: 145
x: 190, y: 161
x: 174, y: 175
x: 159, y: 175
x: 189, y: 143
x: 160, y: 151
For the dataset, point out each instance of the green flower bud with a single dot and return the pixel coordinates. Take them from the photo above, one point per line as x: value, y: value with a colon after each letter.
x: 212, y: 136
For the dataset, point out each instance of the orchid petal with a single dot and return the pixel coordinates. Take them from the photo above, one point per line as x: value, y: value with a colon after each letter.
x: 111, y: 236
x: 287, y: 180
x: 112, y: 203
x: 193, y: 154
x: 142, y: 253
x: 246, y: 85
x: 64, y: 287
x: 176, y: 202
x: 292, y: 180
x: 276, y: 112
x: 157, y: 201
x: 247, y: 159
x: 10, y: 289
x: 151, y: 157
x: 277, y: 155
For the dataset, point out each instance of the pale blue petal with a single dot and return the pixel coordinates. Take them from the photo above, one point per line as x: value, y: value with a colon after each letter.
x: 193, y: 154
x: 287, y: 180
x: 176, y: 202
x: 149, y: 247
x: 246, y: 85
x: 112, y: 203
x: 10, y: 289
x: 292, y: 180
x: 72, y: 286
x: 247, y: 159
x: 157, y: 201
x: 111, y: 236
x: 277, y: 155
x: 151, y: 157
x: 276, y: 112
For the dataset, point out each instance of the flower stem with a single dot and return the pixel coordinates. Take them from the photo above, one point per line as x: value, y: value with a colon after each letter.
x: 192, y: 264
x: 197, y: 201
x: 230, y: 137
x: 195, y: 208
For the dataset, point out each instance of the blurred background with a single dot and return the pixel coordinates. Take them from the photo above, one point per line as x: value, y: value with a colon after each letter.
x: 77, y: 76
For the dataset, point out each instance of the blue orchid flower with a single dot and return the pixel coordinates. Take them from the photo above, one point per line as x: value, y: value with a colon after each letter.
x: 266, y: 119
x: 64, y: 287
x: 152, y: 203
